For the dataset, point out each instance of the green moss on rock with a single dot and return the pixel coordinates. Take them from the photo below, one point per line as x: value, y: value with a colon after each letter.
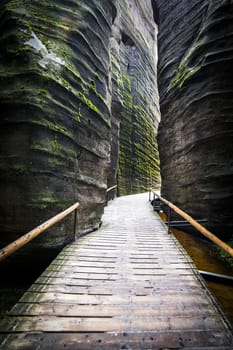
x: 186, y: 69
x: 55, y: 121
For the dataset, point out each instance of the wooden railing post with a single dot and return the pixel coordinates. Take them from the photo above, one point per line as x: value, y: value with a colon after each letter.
x: 169, y: 221
x: 75, y: 222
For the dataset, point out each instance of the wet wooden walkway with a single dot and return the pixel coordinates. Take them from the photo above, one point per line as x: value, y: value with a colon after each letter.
x: 129, y: 285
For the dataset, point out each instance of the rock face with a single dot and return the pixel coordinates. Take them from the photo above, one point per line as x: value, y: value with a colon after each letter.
x: 196, y: 94
x: 55, y: 113
x: 74, y: 76
x: 136, y: 107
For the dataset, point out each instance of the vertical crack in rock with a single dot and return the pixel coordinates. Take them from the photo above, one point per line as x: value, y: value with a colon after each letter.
x: 135, y: 97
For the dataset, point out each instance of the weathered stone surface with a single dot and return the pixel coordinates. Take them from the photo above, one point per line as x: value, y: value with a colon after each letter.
x: 55, y: 113
x: 74, y: 76
x: 136, y: 112
x: 196, y: 92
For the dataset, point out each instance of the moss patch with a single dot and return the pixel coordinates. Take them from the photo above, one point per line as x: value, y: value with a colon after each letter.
x: 139, y: 167
x: 186, y: 69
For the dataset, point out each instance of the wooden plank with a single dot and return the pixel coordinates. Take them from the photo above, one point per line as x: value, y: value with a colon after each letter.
x: 109, y: 324
x: 83, y: 269
x: 113, y: 286
x: 85, y: 263
x: 115, y: 289
x: 85, y: 289
x: 80, y: 275
x: 142, y: 309
x: 86, y: 299
x: 195, y: 340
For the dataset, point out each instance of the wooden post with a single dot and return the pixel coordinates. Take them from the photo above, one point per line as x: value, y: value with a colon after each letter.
x: 20, y: 242
x: 169, y: 220
x: 75, y: 222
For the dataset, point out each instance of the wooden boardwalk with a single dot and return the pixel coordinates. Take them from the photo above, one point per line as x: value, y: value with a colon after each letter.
x: 129, y: 285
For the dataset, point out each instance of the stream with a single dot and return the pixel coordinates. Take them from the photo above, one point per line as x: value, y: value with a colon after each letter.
x: 206, y: 258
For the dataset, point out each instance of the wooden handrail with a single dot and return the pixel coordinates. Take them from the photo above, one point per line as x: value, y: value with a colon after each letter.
x: 195, y: 224
x: 108, y: 195
x: 20, y: 242
x: 111, y: 188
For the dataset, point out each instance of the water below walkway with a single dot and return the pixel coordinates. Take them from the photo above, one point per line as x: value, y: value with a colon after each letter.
x: 206, y: 258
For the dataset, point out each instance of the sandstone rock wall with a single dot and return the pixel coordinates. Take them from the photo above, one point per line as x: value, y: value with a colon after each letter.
x: 55, y: 113
x: 74, y: 76
x: 134, y: 67
x: 196, y: 90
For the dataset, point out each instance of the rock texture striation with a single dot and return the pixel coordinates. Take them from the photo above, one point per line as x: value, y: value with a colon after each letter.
x: 196, y: 92
x: 74, y: 75
x: 136, y: 107
x: 55, y: 113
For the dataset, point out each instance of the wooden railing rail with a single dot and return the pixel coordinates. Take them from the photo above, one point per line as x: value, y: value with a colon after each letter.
x: 111, y: 188
x: 194, y: 223
x: 20, y: 242
x: 108, y: 191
